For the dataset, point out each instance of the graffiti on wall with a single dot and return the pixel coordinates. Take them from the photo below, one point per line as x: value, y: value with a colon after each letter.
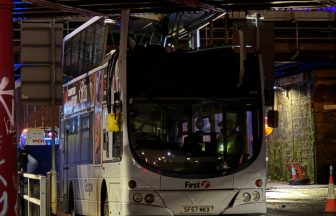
x: 9, y: 123
x: 4, y: 195
x: 8, y: 120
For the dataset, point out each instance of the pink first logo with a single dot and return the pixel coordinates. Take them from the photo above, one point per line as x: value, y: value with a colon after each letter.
x: 196, y: 185
x: 205, y: 184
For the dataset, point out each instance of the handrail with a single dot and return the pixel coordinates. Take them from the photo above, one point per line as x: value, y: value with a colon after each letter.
x: 41, y: 201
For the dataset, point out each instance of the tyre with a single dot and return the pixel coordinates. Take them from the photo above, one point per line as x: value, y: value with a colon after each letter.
x: 104, y: 204
x: 71, y: 203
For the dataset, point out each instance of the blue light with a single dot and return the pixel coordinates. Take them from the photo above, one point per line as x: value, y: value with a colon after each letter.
x: 295, y: 68
x: 20, y: 9
x: 19, y: 18
x: 16, y: 9
x: 17, y: 66
x: 20, y: 2
x: 326, y: 8
x: 48, y: 141
x: 329, y: 9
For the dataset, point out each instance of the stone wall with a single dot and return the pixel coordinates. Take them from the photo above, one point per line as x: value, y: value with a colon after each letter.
x: 293, y: 140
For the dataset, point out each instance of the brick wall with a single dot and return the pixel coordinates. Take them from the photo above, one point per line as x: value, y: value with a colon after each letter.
x: 324, y: 104
x: 33, y: 115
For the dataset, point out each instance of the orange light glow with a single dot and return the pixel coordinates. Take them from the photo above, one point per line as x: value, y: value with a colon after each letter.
x: 268, y: 130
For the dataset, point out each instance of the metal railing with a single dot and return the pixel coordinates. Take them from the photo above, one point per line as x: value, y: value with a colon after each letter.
x: 34, y: 194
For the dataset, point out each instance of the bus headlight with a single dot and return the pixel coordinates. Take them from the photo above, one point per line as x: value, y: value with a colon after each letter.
x: 255, y: 195
x: 246, y: 197
x: 137, y: 197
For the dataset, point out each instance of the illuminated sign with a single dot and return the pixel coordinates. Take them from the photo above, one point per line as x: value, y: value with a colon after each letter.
x: 36, y: 136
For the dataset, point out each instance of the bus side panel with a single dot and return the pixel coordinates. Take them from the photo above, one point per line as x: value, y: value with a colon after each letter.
x: 114, y: 192
x: 257, y: 170
x: 85, y: 188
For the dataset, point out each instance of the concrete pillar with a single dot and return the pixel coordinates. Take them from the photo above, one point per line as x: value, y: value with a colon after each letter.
x: 8, y: 159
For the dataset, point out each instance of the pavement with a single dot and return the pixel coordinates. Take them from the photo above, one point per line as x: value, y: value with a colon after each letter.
x: 284, y: 199
x: 285, y: 185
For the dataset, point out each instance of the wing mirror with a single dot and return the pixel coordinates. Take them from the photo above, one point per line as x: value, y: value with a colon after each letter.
x: 273, y: 118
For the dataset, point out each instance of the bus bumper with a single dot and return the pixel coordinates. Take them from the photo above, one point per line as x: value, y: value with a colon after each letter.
x: 250, y: 208
x: 148, y: 210
x: 145, y: 210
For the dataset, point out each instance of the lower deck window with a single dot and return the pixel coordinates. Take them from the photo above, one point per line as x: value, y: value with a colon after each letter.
x: 78, y: 139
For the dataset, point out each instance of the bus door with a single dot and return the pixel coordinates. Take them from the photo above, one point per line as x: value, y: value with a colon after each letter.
x: 62, y: 161
x: 106, y: 140
x: 64, y: 142
x: 70, y: 140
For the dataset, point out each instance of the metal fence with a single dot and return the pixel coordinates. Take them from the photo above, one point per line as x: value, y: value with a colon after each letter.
x: 34, y: 194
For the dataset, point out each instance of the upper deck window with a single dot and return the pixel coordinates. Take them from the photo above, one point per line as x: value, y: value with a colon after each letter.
x: 85, y: 50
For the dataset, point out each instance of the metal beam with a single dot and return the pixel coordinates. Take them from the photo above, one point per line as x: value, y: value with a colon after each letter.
x: 65, y: 8
x: 198, y: 5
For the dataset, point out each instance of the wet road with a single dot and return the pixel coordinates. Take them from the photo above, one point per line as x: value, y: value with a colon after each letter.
x: 287, y: 200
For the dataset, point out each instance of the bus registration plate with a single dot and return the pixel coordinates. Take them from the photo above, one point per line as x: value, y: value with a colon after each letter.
x: 197, y: 209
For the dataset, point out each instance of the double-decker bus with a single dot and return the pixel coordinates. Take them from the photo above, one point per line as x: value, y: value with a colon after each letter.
x: 151, y: 130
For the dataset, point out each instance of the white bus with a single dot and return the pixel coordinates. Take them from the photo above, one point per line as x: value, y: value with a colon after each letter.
x: 146, y: 131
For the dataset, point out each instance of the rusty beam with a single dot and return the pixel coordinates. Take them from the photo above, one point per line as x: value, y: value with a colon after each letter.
x: 64, y: 8
x: 289, y: 47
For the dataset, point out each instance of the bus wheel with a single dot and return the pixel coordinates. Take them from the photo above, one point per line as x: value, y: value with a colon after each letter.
x: 71, y: 203
x: 104, y: 205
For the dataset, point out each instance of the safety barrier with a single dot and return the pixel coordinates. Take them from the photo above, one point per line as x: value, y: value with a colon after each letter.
x: 34, y: 194
x: 297, y: 175
x: 330, y: 205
